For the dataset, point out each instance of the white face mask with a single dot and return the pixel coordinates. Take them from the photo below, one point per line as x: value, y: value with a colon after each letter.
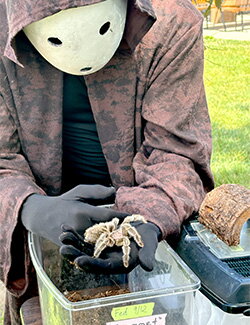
x: 81, y: 40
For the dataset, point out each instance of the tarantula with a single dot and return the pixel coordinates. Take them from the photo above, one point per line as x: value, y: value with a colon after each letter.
x: 109, y: 234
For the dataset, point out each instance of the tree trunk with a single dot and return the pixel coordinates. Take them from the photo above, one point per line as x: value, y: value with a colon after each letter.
x: 224, y: 210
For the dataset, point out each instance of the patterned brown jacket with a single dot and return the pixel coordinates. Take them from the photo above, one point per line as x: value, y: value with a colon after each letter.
x: 151, y: 114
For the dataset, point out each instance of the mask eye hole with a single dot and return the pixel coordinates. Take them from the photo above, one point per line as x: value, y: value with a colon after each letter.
x: 54, y: 41
x: 104, y: 28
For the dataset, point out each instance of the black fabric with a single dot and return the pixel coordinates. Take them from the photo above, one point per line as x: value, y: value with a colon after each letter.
x: 83, y: 159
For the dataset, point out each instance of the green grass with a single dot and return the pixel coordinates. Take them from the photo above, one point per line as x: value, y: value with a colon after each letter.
x: 227, y: 82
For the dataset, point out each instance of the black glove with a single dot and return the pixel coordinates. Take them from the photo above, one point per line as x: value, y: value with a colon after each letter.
x: 44, y: 215
x: 80, y: 252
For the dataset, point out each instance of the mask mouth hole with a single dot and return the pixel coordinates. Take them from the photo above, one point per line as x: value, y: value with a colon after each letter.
x: 105, y: 27
x: 54, y: 41
x: 85, y: 69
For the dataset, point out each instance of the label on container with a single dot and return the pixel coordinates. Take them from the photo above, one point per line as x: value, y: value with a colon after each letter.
x: 149, y: 320
x: 133, y: 311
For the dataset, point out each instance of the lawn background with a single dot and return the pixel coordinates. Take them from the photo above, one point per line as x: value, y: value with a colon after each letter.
x: 227, y: 83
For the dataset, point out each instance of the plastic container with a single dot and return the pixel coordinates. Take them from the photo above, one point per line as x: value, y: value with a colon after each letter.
x: 207, y: 313
x: 224, y: 273
x: 164, y: 296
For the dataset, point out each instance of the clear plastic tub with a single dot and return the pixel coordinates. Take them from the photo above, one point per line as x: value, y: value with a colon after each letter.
x: 163, y: 296
x: 209, y: 314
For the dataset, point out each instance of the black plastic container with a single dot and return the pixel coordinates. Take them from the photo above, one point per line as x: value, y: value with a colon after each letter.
x: 224, y: 271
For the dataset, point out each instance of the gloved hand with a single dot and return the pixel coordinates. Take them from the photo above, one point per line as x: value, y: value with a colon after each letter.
x: 79, y: 252
x: 44, y: 215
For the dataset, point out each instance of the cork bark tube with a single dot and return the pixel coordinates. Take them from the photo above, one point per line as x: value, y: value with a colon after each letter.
x: 224, y: 210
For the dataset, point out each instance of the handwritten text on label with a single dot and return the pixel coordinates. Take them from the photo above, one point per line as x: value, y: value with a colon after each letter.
x: 150, y: 320
x: 133, y: 311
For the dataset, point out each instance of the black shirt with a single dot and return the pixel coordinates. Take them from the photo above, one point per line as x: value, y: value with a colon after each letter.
x: 83, y: 159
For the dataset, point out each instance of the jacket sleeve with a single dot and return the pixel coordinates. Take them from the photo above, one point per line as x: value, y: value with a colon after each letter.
x: 16, y: 183
x: 172, y: 166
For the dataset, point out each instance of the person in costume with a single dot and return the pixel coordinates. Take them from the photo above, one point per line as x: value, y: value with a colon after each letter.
x: 100, y: 101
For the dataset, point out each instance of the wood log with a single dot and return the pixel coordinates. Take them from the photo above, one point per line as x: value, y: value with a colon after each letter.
x: 224, y: 210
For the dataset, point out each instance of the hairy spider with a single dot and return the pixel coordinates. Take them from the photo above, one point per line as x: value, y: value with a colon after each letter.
x: 109, y: 234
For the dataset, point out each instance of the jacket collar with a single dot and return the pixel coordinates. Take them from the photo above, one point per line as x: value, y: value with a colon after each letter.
x: 140, y: 18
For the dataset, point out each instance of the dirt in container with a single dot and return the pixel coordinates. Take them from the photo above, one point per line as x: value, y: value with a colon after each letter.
x: 87, y: 294
x: 98, y: 315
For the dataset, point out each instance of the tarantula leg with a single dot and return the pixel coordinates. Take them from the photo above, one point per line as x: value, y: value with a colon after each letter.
x: 103, y: 242
x: 126, y: 251
x: 133, y: 233
x: 133, y: 218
